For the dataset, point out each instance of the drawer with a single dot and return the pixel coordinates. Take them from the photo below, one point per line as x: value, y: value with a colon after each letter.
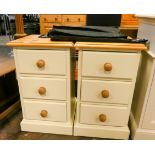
x: 73, y: 18
x: 103, y: 115
x: 43, y: 88
x: 106, y: 91
x: 50, y: 18
x: 50, y: 25
x: 42, y: 61
x: 110, y: 64
x: 74, y: 24
x: 45, y: 110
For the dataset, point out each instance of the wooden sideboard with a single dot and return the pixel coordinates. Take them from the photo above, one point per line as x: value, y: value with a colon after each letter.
x: 47, y: 21
x: 129, y: 25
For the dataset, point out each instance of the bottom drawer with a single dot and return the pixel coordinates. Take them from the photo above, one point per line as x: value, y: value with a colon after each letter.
x: 104, y: 115
x: 45, y: 110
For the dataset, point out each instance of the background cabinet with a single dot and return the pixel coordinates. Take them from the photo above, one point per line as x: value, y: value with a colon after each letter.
x: 47, y: 21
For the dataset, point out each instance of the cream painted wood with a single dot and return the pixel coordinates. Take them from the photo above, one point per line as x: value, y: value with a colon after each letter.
x: 27, y: 59
x: 55, y: 88
x: 63, y: 82
x: 47, y: 127
x: 90, y: 106
x: 124, y: 65
x: 89, y: 114
x: 142, y: 117
x: 119, y: 91
x: 101, y: 131
x: 138, y: 133
x: 56, y: 111
x: 149, y: 119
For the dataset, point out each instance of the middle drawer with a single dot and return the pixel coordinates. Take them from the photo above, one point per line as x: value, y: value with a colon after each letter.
x: 43, y: 88
x: 106, y: 91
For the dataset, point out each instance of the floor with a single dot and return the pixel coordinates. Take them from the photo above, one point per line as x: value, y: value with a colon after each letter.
x: 10, y: 130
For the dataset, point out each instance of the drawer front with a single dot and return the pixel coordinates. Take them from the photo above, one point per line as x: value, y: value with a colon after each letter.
x: 103, y: 115
x: 74, y: 24
x: 50, y: 25
x: 45, y: 110
x: 43, y: 88
x: 110, y: 64
x: 106, y: 91
x: 73, y: 18
x: 50, y: 18
x: 49, y: 60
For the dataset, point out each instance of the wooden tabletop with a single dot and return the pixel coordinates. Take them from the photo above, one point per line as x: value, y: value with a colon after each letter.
x: 110, y: 46
x: 35, y: 41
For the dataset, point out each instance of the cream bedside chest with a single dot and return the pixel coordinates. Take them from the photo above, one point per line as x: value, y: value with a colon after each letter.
x: 106, y: 81
x: 143, y: 110
x: 43, y: 70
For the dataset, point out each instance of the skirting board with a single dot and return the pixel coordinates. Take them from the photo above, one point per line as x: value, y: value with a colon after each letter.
x: 101, y: 131
x: 139, y: 133
x: 47, y: 127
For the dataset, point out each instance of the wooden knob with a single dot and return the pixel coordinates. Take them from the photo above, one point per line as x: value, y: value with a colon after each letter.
x: 107, y: 66
x: 105, y: 93
x: 42, y: 90
x: 102, y: 117
x: 40, y: 63
x: 45, y: 19
x: 44, y: 113
x: 67, y: 19
x: 79, y: 19
x: 56, y: 19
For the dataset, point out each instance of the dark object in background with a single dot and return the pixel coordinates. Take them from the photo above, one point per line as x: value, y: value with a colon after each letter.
x: 9, y: 92
x: 103, y: 19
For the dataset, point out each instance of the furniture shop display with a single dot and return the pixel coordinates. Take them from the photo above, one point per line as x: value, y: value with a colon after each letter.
x: 106, y: 81
x: 142, y: 120
x: 44, y: 71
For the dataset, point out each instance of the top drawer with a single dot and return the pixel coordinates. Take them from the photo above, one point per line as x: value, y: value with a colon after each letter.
x: 42, y: 61
x: 50, y: 18
x: 73, y: 18
x: 110, y: 64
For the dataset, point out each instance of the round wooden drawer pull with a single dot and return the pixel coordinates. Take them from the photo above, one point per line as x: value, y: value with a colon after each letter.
x: 102, y: 117
x: 105, y: 93
x: 44, y: 113
x: 107, y: 66
x: 40, y: 63
x: 42, y: 90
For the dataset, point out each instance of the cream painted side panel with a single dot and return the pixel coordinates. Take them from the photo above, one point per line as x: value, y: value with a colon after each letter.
x: 149, y: 115
x: 56, y: 111
x: 116, y: 116
x: 55, y: 61
x: 124, y: 65
x: 119, y: 92
x: 55, y: 88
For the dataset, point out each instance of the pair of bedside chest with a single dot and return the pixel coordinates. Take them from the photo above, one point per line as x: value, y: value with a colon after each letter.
x: 106, y: 81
